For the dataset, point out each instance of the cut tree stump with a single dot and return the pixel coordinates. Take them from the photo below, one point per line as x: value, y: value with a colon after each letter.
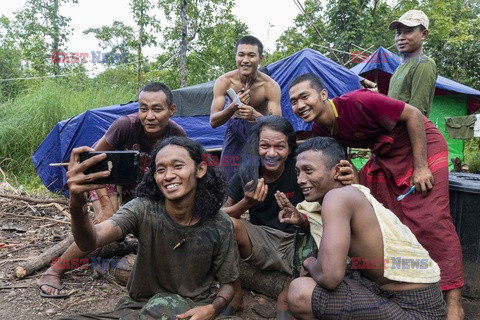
x: 127, y: 246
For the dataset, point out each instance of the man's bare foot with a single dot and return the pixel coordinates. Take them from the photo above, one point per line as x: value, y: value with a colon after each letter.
x: 235, y: 305
x: 237, y: 301
x: 454, y: 304
x: 50, y: 284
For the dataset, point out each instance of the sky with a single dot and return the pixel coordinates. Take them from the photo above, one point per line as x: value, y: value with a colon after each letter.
x: 266, y: 26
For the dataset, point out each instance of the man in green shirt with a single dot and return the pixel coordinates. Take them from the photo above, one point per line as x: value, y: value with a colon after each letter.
x: 414, y: 83
x: 414, y: 80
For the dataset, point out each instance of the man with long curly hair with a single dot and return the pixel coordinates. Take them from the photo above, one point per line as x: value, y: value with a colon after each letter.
x: 184, y: 240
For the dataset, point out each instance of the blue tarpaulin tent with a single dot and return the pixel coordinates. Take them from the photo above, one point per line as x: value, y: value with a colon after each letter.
x: 387, y: 62
x: 451, y: 98
x: 193, y: 108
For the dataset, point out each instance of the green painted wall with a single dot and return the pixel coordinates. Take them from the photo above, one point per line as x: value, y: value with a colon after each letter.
x: 442, y: 107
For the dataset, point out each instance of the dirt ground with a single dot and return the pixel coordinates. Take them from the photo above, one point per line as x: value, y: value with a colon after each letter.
x: 27, y: 229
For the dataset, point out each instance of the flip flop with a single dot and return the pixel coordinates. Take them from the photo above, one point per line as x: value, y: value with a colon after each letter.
x: 43, y: 294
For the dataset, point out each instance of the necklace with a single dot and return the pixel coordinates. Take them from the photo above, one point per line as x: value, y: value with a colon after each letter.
x: 335, y: 113
x: 183, y: 239
x: 247, y: 84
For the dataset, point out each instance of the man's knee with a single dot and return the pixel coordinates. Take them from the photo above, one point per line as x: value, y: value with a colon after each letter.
x: 236, y: 224
x: 240, y: 230
x: 243, y: 240
x: 299, y: 297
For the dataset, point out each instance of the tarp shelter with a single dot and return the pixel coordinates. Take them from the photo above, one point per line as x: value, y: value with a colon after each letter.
x: 451, y: 98
x: 193, y: 109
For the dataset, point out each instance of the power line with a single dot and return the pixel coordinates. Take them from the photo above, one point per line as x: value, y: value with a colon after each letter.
x: 166, y: 63
x: 64, y: 74
x: 304, y: 12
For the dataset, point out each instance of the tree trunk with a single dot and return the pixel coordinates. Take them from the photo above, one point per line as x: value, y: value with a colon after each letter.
x: 183, y: 45
x: 56, y: 34
x: 38, y: 262
x: 139, y: 48
x: 113, y: 249
x: 268, y: 283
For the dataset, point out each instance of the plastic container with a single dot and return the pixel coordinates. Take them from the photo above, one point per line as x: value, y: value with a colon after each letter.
x: 465, y: 209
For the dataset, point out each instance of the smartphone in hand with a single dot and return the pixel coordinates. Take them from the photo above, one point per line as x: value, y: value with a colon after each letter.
x: 123, y: 165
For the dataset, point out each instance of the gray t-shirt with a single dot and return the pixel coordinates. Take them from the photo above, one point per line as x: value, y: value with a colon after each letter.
x: 210, y: 250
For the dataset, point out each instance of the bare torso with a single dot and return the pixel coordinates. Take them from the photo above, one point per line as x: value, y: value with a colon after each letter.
x: 366, y: 242
x: 259, y: 92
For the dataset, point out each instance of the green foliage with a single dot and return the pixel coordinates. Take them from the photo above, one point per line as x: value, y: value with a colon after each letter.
x: 119, y: 39
x: 148, y: 27
x: 454, y: 39
x: 454, y: 36
x: 472, y: 154
x: 126, y: 44
x: 117, y: 78
x: 10, y: 62
x: 148, y: 24
x: 39, y: 30
x: 345, y: 25
x: 348, y: 25
x: 304, y: 33
x: 26, y: 121
x: 203, y: 39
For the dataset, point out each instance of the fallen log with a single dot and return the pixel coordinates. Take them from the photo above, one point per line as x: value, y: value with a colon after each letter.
x: 268, y: 283
x: 38, y: 262
x: 43, y: 260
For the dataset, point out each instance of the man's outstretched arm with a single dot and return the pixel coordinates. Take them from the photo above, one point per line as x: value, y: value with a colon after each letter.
x: 87, y: 236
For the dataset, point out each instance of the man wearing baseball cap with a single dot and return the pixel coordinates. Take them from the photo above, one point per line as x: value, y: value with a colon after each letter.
x: 414, y: 83
x: 414, y: 80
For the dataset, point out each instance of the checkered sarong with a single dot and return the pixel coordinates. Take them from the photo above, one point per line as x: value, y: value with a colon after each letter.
x: 359, y: 298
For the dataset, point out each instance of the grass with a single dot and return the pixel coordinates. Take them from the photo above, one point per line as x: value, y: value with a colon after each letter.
x: 26, y: 121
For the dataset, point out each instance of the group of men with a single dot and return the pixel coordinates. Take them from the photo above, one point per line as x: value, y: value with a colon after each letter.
x: 356, y: 223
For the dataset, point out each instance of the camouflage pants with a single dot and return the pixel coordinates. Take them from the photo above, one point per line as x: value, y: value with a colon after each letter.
x: 305, y: 247
x: 163, y: 306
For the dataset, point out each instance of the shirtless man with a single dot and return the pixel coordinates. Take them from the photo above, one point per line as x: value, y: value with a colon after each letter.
x: 382, y: 281
x: 407, y: 149
x: 259, y: 94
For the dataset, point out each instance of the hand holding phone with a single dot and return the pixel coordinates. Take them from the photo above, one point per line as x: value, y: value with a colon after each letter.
x: 124, y: 166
